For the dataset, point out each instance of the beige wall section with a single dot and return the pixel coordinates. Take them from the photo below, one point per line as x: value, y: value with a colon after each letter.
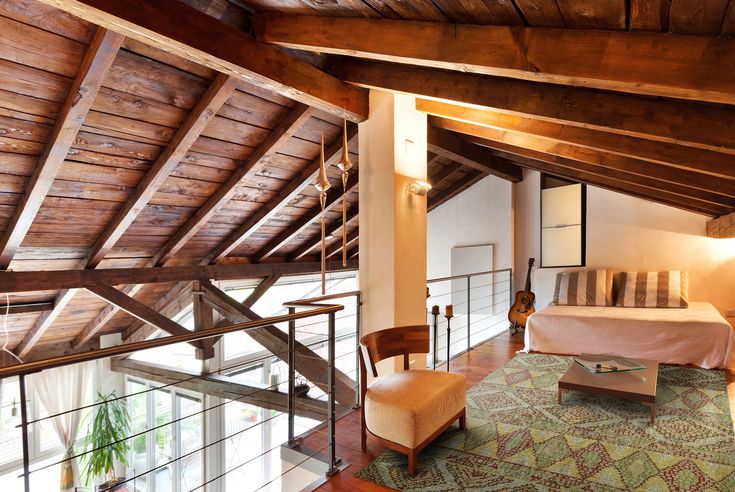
x: 626, y: 233
x: 392, y: 221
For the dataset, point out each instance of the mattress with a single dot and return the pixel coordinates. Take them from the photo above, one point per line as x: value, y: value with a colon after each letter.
x: 696, y: 335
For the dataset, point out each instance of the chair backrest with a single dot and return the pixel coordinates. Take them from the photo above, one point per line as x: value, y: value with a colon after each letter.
x: 403, y: 340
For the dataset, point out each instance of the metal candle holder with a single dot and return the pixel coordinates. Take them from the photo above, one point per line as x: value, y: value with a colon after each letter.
x: 449, y: 332
x: 435, y: 313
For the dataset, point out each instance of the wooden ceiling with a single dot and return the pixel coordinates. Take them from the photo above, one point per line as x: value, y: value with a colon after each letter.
x: 116, y: 154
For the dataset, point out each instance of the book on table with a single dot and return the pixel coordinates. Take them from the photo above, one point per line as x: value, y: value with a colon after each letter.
x: 607, y: 363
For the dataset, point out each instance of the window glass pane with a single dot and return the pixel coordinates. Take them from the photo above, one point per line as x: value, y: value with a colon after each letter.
x: 244, y: 443
x: 11, y: 447
x: 163, y: 443
x: 139, y: 444
x: 48, y: 438
x: 190, y: 438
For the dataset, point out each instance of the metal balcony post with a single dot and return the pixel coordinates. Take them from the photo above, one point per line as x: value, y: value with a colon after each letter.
x: 331, y: 423
x: 24, y: 432
x: 358, y: 308
x: 291, y: 378
x: 469, y: 295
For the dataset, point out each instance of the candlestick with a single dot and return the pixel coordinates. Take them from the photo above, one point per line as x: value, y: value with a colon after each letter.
x: 435, y: 313
x: 449, y: 311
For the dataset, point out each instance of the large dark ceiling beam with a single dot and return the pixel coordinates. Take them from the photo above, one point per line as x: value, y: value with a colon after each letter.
x: 444, y: 144
x: 75, y: 279
x: 97, y: 60
x: 682, y: 181
x: 193, y: 35
x: 659, y: 64
x: 678, y: 156
x: 676, y: 121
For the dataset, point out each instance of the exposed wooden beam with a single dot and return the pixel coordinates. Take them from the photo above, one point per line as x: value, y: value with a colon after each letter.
x: 220, y: 386
x: 445, y: 144
x: 44, y: 321
x: 678, y: 156
x: 550, y: 164
x: 74, y: 279
x: 722, y: 227
x: 298, y: 184
x: 170, y: 304
x: 103, y: 317
x: 203, y: 320
x: 683, y: 122
x: 446, y: 171
x: 218, y: 92
x: 659, y: 64
x: 333, y: 196
x: 191, y: 34
x: 316, y: 239
x: 686, y: 183
x: 288, y: 126
x: 137, y: 309
x: 308, y: 364
x: 261, y: 290
x: 97, y: 60
x: 454, y: 189
x: 337, y: 246
x: 23, y: 308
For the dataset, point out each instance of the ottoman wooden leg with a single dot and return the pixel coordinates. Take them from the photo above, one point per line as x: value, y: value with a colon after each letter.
x: 412, y: 462
x: 463, y: 420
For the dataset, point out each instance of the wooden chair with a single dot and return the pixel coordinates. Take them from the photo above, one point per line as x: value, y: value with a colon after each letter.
x: 405, y: 411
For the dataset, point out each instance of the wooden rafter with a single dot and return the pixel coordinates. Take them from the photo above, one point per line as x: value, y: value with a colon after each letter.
x: 677, y: 156
x: 43, y: 322
x: 218, y: 92
x: 333, y: 196
x: 221, y: 386
x: 722, y: 227
x: 282, y: 198
x: 288, y: 126
x: 442, y: 174
x: 656, y: 64
x: 261, y: 289
x: 454, y: 189
x: 22, y: 308
x: 309, y: 364
x: 316, y: 239
x: 676, y: 121
x: 170, y: 304
x: 97, y: 60
x: 447, y: 145
x: 193, y: 35
x: 76, y: 279
x: 203, y: 320
x: 688, y: 184
x: 335, y: 248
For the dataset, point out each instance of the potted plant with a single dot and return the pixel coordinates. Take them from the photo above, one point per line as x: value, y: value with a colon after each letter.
x: 106, y: 440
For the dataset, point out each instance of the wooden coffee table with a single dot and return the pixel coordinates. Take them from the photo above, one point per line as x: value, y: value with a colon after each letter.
x: 637, y: 385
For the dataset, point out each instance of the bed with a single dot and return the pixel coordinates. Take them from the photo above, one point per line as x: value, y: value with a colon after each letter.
x: 696, y: 335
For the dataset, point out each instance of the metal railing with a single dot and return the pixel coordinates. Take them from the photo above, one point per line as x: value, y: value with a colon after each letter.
x: 481, y: 302
x: 312, y: 308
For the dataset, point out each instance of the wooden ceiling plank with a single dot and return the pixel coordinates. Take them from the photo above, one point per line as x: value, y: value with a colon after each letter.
x: 678, y: 156
x: 97, y: 60
x: 675, y: 121
x: 283, y: 197
x: 29, y: 307
x: 689, y: 183
x: 103, y: 317
x: 334, y: 196
x: 447, y: 145
x: 310, y: 365
x: 273, y: 142
x: 316, y: 239
x: 217, y: 94
x: 454, y: 189
x: 446, y: 171
x: 30, y: 281
x: 722, y: 227
x: 352, y: 238
x: 43, y: 323
x: 688, y: 67
x: 182, y: 30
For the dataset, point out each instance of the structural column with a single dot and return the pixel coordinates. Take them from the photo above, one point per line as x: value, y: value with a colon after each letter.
x: 392, y: 220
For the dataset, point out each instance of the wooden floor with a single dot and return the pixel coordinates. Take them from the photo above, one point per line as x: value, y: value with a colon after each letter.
x: 475, y: 365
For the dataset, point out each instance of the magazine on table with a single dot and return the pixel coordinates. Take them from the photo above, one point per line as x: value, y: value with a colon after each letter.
x: 604, y: 363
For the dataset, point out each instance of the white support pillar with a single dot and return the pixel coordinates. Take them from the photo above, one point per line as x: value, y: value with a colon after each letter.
x: 392, y: 220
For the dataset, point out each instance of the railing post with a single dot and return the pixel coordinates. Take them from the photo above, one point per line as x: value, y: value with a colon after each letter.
x: 358, y: 308
x: 469, y: 294
x: 331, y: 423
x: 291, y: 378
x: 24, y: 432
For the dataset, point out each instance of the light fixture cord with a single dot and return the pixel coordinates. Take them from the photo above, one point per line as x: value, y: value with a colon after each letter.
x: 5, y: 329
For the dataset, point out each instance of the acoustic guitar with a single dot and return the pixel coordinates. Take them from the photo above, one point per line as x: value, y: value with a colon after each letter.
x: 522, y: 308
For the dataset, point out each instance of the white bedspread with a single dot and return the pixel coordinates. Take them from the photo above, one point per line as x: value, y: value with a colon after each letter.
x: 697, y: 335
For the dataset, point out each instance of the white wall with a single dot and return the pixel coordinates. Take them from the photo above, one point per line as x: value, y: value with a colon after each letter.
x: 626, y: 233
x: 480, y: 215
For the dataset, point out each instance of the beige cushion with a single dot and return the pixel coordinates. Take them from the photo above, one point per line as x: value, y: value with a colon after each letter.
x: 584, y: 288
x: 407, y: 407
x: 669, y: 289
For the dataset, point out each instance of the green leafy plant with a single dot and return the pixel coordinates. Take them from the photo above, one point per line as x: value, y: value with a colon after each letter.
x: 106, y: 438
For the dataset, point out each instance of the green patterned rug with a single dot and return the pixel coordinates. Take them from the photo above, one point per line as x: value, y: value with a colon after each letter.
x: 519, y: 438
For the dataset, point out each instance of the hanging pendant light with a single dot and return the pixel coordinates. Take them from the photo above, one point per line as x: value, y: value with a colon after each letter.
x: 322, y: 185
x: 344, y: 165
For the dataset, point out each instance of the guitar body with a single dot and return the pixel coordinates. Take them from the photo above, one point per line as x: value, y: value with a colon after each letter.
x: 523, y: 307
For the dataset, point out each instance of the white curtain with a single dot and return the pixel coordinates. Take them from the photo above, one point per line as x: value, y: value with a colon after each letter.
x: 62, y: 389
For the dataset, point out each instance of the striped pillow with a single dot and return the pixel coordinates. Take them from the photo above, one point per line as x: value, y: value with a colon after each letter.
x: 652, y: 289
x: 590, y: 288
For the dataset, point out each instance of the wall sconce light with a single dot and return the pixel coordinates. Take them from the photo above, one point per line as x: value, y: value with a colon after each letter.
x: 420, y: 188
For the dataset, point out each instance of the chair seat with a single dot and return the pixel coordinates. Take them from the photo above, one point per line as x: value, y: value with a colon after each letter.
x: 408, y: 407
